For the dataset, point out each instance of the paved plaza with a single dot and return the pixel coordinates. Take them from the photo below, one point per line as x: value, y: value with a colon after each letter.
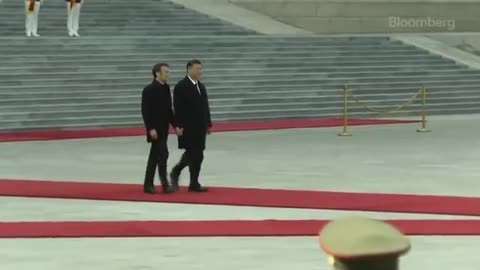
x: 392, y: 159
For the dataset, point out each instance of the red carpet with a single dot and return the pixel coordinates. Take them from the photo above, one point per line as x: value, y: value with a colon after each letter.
x: 216, y: 228
x: 249, y: 197
x: 219, y: 127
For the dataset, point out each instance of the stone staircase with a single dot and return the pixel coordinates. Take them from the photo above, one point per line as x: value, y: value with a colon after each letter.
x: 115, y: 18
x: 94, y: 81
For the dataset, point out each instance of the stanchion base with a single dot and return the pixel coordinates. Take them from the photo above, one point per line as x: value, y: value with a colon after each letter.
x: 423, y: 130
x: 345, y: 134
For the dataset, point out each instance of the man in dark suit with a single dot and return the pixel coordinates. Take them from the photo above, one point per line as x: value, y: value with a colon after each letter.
x: 157, y: 115
x: 192, y: 114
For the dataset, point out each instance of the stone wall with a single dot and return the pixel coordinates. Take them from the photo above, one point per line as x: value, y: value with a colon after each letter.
x: 371, y: 16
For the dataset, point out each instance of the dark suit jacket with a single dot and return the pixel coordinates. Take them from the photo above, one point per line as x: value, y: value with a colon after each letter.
x: 192, y: 113
x: 157, y: 109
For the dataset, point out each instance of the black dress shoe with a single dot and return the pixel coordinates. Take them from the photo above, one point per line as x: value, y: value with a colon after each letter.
x: 197, y: 188
x: 168, y: 189
x: 150, y: 190
x: 174, y: 181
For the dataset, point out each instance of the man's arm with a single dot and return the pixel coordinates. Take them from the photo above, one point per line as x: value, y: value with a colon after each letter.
x: 209, y: 117
x: 173, y: 121
x: 179, y: 106
x: 146, y: 108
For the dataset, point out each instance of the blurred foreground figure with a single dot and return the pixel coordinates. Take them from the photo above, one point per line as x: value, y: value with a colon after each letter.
x: 356, y: 243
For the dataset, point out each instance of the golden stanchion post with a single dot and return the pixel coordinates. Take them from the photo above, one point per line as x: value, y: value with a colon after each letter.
x: 424, y: 129
x: 345, y: 132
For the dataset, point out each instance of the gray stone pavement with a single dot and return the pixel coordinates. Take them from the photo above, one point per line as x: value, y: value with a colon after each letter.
x: 33, y: 209
x: 215, y: 253
x: 235, y: 14
x: 376, y: 159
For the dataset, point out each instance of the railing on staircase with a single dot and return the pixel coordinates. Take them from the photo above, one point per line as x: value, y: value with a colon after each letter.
x: 347, y: 96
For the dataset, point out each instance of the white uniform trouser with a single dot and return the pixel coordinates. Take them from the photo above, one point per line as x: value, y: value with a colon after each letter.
x: 73, y: 18
x: 31, y: 18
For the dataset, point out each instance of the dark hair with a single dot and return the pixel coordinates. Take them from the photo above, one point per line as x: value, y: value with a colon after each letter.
x: 193, y: 62
x: 158, y: 68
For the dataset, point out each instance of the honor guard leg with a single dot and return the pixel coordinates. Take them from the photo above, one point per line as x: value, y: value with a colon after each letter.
x: 35, y: 19
x: 76, y: 19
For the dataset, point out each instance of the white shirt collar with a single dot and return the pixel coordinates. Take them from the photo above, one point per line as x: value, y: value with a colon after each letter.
x: 193, y: 81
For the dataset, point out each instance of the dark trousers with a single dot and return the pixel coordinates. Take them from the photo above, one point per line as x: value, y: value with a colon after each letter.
x: 192, y: 158
x: 157, y: 158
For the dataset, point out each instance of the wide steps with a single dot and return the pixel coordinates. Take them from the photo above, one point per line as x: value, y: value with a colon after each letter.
x: 352, y: 75
x: 129, y: 121
x: 119, y: 17
x: 97, y: 80
x: 219, y: 105
x: 146, y: 32
x: 119, y: 64
x: 432, y: 81
x: 379, y: 87
x: 131, y: 118
x: 234, y: 95
x: 47, y: 70
x: 142, y: 49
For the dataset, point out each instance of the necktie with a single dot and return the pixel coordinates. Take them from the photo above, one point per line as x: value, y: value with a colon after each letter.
x: 198, y: 89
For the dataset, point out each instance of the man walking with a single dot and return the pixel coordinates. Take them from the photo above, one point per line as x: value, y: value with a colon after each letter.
x: 157, y: 115
x: 192, y: 114
x: 73, y: 17
x: 32, y: 8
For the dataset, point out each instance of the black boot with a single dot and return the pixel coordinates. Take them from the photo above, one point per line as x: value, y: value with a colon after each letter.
x: 162, y: 171
x: 174, y: 178
x: 195, y: 185
x: 165, y: 185
x: 149, y: 190
x: 197, y: 188
x: 177, y: 170
x: 168, y: 189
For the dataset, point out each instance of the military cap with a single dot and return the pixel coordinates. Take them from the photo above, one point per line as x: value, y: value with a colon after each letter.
x: 356, y: 243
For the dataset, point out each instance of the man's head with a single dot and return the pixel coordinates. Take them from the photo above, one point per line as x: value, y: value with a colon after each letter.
x: 363, y: 244
x: 161, y: 72
x: 194, y: 69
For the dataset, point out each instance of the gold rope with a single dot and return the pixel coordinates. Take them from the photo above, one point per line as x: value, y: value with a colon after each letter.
x: 398, y: 108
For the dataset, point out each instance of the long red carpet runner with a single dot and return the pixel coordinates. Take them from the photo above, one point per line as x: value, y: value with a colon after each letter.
x: 219, y: 127
x: 227, y: 196
x: 426, y: 204
x: 215, y: 228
